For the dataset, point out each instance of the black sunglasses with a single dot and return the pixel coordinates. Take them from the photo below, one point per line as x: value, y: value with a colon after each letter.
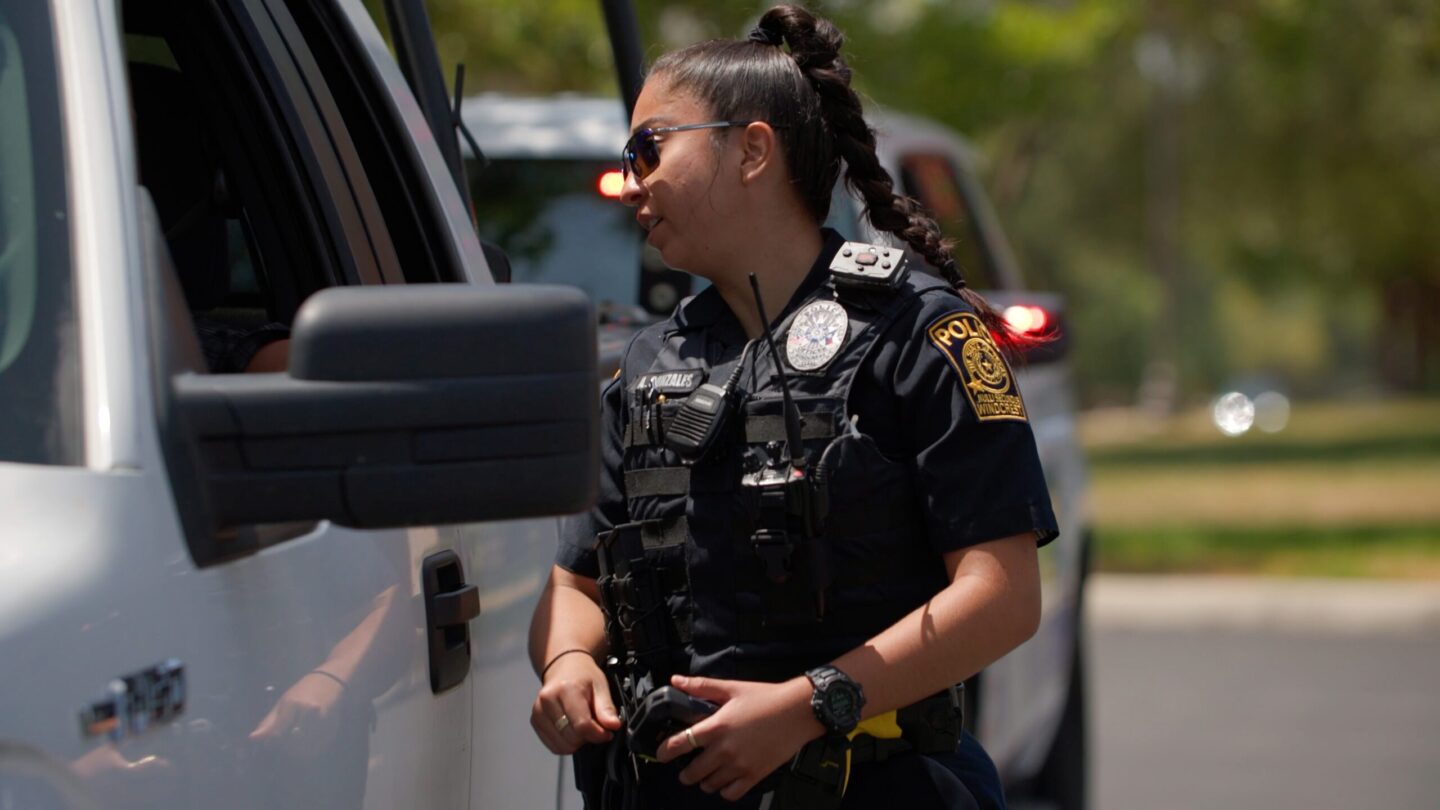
x: 641, y: 156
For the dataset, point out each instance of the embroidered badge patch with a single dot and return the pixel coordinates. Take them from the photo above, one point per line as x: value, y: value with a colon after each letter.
x: 987, y: 380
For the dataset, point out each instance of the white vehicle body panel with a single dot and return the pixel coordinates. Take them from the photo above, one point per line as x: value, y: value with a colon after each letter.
x: 96, y: 581
x: 509, y: 562
x: 101, y: 176
x: 112, y: 590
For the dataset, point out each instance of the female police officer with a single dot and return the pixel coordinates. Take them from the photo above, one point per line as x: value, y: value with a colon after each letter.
x: 819, y: 544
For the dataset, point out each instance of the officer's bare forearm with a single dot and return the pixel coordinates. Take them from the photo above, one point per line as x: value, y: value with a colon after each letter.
x: 991, y: 606
x: 567, y: 617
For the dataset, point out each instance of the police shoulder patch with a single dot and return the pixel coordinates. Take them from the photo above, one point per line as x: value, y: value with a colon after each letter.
x: 965, y: 341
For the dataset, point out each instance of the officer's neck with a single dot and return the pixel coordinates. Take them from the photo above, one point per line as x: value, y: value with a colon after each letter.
x: 780, y: 256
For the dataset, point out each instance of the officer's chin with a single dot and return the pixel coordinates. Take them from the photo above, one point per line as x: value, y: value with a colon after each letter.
x: 672, y: 258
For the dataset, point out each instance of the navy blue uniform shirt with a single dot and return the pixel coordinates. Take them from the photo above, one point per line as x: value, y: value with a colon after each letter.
x: 979, y: 480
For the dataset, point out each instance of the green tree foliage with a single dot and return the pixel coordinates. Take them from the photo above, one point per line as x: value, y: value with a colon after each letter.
x: 530, y: 47
x: 1290, y: 147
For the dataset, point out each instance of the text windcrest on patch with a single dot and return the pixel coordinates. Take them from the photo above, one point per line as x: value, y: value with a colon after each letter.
x: 986, y: 378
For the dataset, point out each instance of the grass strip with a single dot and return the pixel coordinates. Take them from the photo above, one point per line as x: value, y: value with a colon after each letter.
x: 1318, y: 433
x: 1275, y: 495
x: 1263, y: 450
x: 1405, y: 552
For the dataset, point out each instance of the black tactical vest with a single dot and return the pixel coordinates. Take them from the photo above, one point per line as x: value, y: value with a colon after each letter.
x: 718, y: 576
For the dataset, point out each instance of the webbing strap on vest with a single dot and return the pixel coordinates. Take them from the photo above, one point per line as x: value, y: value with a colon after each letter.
x: 664, y: 533
x: 758, y: 429
x: 657, y: 481
x: 771, y: 428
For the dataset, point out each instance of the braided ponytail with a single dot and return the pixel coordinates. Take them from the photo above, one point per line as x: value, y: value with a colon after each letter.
x: 815, y: 46
x: 806, y: 96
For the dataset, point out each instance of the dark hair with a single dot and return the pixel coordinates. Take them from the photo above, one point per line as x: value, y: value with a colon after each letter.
x: 806, y: 96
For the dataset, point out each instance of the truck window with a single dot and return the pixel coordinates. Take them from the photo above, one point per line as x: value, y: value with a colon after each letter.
x: 39, y: 351
x: 405, y: 223
x: 244, y: 246
x: 250, y: 186
x: 931, y: 179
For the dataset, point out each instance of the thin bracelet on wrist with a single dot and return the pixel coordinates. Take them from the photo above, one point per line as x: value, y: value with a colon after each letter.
x: 560, y: 655
x: 332, y: 676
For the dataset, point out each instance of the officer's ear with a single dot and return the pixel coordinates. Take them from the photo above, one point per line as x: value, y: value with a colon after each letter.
x: 760, y: 152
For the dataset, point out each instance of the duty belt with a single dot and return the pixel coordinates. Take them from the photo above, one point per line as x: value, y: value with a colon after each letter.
x: 820, y: 772
x: 930, y: 726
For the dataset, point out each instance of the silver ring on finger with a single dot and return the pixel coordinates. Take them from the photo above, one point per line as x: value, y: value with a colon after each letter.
x: 690, y: 737
x: 562, y: 723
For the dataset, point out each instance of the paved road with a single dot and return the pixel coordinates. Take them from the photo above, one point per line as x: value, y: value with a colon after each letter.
x: 1213, y: 708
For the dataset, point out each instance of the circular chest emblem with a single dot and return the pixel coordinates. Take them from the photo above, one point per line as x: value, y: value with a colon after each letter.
x: 816, y: 335
x: 986, y: 366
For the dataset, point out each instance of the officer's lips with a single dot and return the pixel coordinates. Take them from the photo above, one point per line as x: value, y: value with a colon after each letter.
x: 648, y: 223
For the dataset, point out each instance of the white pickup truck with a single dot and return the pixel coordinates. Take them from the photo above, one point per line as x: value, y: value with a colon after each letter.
x: 234, y: 590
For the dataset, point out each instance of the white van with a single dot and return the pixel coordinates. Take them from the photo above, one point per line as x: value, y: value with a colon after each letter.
x: 547, y: 192
x: 228, y: 590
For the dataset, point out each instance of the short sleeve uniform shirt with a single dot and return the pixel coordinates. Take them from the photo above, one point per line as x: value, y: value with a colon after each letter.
x: 975, y: 467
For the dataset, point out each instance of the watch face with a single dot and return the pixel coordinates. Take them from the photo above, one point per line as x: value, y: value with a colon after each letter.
x: 841, y: 703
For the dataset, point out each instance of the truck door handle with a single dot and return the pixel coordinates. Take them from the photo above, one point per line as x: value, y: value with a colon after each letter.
x: 450, y: 604
x: 455, y: 607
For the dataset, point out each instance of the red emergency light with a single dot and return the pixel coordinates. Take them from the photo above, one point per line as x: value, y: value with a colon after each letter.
x: 1027, y: 320
x: 611, y: 184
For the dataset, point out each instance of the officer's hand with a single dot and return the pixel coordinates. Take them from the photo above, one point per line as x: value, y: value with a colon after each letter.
x: 305, y: 719
x: 757, y: 729
x: 574, y: 688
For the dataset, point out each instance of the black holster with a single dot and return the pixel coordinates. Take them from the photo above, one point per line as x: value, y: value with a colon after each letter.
x: 605, y: 775
x: 815, y: 779
x: 641, y: 565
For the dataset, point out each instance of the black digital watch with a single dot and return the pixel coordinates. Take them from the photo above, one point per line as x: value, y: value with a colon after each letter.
x: 837, y: 699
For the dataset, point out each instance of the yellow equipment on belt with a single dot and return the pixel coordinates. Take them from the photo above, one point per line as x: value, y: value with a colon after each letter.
x: 881, y: 727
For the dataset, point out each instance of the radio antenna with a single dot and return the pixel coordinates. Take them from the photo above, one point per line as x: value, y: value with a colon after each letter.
x: 793, y: 448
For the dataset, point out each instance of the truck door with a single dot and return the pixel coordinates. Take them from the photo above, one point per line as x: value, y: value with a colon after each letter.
x: 291, y: 664
x: 335, y: 598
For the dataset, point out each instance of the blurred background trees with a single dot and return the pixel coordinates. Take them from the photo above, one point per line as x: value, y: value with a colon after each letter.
x: 1225, y: 190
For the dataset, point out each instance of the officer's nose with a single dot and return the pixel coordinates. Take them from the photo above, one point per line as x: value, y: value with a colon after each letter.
x: 634, y: 191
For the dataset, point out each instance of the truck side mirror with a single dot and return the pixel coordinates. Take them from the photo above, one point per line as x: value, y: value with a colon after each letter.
x: 435, y: 403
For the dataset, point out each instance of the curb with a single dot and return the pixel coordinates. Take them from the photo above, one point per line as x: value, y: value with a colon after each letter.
x: 1291, y: 605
